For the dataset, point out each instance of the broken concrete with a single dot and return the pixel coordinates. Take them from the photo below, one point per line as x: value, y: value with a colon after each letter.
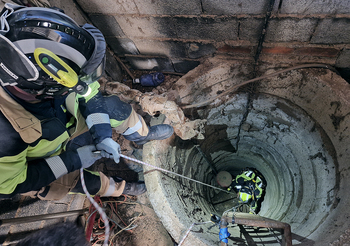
x: 155, y: 104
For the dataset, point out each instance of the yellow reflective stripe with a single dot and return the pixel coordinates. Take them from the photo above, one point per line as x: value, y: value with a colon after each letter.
x: 115, y: 123
x: 63, y: 108
x: 94, y: 90
x: 245, y: 197
x: 13, y: 171
x: 245, y: 177
x: 46, y: 148
x: 92, y: 172
x: 70, y: 122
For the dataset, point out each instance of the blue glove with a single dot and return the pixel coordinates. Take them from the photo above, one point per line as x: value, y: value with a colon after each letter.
x: 224, y: 234
x: 109, y: 149
x: 87, y: 155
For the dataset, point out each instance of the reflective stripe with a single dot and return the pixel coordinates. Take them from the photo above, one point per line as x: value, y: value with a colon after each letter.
x: 238, y: 186
x: 57, y: 166
x: 247, y: 176
x: 111, y: 188
x: 244, y: 197
x: 97, y: 118
x: 133, y: 129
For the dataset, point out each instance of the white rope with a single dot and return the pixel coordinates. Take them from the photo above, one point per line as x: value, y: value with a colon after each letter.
x: 167, y: 171
x: 189, y: 229
x: 98, y: 208
x: 103, y: 214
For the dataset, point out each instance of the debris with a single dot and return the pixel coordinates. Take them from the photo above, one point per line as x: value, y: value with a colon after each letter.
x: 154, y: 104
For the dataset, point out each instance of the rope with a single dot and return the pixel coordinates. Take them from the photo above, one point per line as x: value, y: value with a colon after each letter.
x: 189, y: 229
x: 167, y: 171
x: 103, y: 214
x: 98, y: 208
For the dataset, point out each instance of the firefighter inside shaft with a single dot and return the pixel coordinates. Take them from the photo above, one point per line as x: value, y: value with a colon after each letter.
x: 249, y: 186
x: 49, y: 129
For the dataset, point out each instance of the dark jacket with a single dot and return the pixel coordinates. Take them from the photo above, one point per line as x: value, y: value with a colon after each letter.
x: 32, y: 133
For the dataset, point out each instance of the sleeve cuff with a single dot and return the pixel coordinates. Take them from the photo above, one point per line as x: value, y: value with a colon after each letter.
x: 57, y: 166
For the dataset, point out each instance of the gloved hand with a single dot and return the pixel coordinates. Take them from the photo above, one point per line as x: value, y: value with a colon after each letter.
x: 109, y: 149
x: 224, y: 234
x: 86, y: 155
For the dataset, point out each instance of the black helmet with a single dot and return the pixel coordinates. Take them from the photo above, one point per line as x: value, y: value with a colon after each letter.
x: 23, y: 29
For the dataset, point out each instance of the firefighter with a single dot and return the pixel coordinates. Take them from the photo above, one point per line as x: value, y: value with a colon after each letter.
x: 49, y: 130
x: 249, y: 186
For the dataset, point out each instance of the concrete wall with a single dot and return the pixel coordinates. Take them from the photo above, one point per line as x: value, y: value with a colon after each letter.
x: 175, y: 35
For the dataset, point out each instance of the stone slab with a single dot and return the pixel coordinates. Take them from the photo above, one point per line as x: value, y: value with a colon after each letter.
x: 107, y: 25
x: 152, y: 27
x: 250, y: 29
x: 289, y: 30
x: 205, y: 28
x: 159, y: 7
x: 343, y: 60
x: 233, y: 7
x: 108, y: 7
x: 332, y: 31
x: 307, y: 7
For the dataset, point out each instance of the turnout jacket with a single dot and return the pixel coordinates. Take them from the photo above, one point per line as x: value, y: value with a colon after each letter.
x: 33, y: 138
x: 250, y: 179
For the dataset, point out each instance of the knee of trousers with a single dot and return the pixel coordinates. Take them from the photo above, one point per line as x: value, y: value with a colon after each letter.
x: 133, y: 124
x: 111, y: 188
x: 57, y: 189
x: 117, y: 109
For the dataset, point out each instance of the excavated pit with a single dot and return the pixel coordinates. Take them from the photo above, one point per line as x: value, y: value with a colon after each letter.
x: 296, y: 134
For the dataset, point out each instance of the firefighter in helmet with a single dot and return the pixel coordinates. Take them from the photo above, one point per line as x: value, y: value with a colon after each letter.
x: 51, y: 128
x: 249, y: 186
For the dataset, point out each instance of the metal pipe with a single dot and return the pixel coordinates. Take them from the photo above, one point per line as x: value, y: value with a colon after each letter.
x: 258, y: 221
x: 223, y: 224
x: 125, y: 67
x: 40, y: 217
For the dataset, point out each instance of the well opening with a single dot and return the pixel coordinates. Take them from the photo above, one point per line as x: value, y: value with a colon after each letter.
x: 287, y: 141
